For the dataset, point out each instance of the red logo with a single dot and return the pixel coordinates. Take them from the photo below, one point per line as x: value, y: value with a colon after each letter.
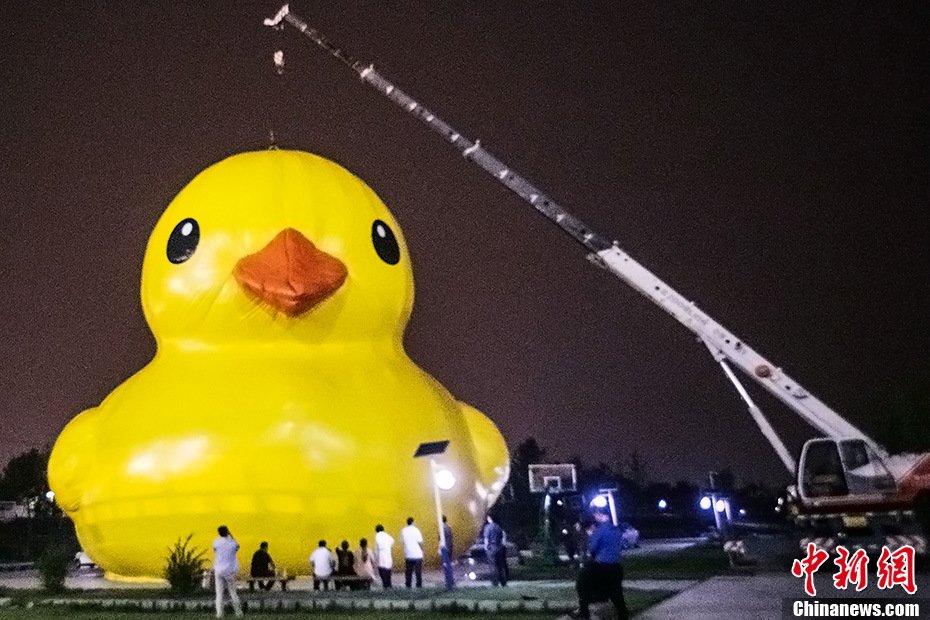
x: 851, y: 569
x: 897, y: 569
x: 894, y: 568
x: 808, y: 566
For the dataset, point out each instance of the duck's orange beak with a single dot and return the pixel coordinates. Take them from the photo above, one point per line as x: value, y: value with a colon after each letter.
x: 290, y: 273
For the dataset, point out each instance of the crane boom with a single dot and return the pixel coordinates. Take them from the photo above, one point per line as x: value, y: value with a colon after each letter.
x: 723, y: 344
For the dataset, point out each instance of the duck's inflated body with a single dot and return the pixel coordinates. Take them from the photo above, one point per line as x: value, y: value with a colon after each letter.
x: 281, y: 402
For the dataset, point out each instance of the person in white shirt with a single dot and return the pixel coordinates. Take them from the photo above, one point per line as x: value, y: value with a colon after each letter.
x: 412, y: 540
x: 383, y: 544
x: 225, y: 567
x: 322, y: 562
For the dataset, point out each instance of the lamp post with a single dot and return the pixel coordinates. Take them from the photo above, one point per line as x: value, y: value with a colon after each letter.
x: 443, y: 479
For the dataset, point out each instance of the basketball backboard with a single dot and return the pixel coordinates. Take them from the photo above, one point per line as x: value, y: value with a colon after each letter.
x: 552, y: 478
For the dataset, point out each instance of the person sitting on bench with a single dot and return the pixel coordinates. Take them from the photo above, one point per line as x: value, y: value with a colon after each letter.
x: 263, y: 566
x: 345, y: 562
x: 322, y: 561
x: 364, y: 562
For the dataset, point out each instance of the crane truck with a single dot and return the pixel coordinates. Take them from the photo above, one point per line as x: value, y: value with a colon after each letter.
x: 849, y: 490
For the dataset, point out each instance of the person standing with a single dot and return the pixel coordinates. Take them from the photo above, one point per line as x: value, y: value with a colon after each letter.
x: 383, y: 544
x: 412, y: 540
x: 322, y: 562
x: 262, y: 566
x: 225, y: 567
x: 496, y: 551
x: 446, y: 553
x: 602, y: 575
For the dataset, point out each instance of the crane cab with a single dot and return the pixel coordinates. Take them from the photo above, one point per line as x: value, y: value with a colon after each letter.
x: 837, y: 471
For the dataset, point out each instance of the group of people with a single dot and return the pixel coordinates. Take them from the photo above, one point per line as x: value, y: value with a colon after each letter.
x: 412, y: 542
x: 325, y: 565
x: 345, y: 563
x: 600, y: 579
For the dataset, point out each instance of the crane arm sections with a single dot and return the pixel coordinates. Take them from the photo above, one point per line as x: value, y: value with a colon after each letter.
x: 719, y: 340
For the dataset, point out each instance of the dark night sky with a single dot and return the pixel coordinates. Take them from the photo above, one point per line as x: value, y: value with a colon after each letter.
x: 769, y: 163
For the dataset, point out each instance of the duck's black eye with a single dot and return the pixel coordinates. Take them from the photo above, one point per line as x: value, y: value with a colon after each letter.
x: 385, y: 242
x: 183, y: 240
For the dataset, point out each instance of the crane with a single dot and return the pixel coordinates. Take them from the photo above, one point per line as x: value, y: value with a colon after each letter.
x: 845, y: 479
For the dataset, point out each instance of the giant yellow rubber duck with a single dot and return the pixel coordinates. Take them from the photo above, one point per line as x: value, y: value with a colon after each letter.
x: 280, y: 401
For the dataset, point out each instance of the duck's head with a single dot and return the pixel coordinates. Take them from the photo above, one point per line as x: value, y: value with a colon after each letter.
x: 276, y: 245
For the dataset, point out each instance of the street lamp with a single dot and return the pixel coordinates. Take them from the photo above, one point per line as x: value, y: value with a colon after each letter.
x: 442, y: 478
x: 605, y: 499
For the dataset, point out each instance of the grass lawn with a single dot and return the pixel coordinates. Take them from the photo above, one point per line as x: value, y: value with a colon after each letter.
x: 698, y: 562
x: 637, y: 600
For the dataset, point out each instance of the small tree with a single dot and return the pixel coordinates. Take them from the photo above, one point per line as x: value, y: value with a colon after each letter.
x: 53, y: 567
x: 184, y: 568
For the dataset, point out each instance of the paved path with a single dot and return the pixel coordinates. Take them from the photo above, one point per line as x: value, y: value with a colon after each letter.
x: 759, y: 597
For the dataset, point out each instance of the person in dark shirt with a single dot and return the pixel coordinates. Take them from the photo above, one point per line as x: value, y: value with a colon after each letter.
x: 262, y: 566
x: 496, y: 551
x: 446, y: 553
x: 345, y: 560
x: 601, y: 578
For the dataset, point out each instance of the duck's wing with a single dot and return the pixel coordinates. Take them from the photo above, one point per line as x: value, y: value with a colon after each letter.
x: 491, y: 452
x: 67, y: 465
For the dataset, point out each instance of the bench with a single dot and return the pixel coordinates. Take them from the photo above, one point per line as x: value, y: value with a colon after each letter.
x: 352, y: 582
x: 282, y: 579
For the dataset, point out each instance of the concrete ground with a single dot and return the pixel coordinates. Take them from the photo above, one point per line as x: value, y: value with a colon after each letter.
x: 760, y: 597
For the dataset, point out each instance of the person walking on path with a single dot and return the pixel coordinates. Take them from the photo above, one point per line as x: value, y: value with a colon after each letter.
x: 383, y: 544
x: 446, y: 553
x: 601, y: 578
x: 225, y: 567
x: 322, y: 562
x: 496, y: 551
x: 412, y: 540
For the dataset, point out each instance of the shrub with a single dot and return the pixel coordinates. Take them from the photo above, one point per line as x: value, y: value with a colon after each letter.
x: 53, y: 567
x: 185, y: 566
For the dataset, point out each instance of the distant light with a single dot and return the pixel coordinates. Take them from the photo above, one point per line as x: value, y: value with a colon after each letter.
x: 472, y: 575
x: 559, y: 503
x: 781, y: 500
x: 50, y: 496
x: 471, y: 561
x: 564, y: 532
x: 705, y: 503
x: 720, y: 505
x: 599, y: 501
x: 445, y: 479
x: 663, y: 504
x: 742, y: 512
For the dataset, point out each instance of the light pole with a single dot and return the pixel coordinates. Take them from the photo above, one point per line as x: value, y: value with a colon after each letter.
x: 443, y: 479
